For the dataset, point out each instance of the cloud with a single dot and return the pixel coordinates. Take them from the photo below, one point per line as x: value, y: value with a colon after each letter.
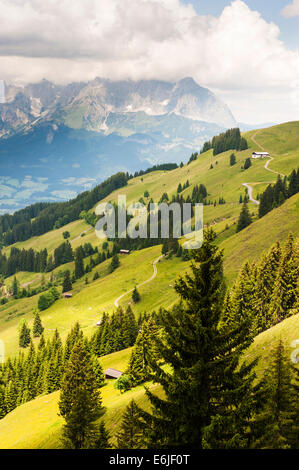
x: 291, y: 10
x: 71, y: 40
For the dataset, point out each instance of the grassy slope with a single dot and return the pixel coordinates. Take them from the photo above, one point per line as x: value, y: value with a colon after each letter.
x: 223, y: 180
x: 90, y: 301
x: 282, y: 142
x: 36, y: 424
x: 258, y: 237
x: 54, y: 238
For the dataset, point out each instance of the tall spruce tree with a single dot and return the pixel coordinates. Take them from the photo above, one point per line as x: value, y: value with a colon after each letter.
x: 79, y: 264
x: 209, y: 395
x: 24, y: 336
x: 80, y: 399
x: 244, y: 218
x: 114, y: 263
x: 143, y: 353
x: 15, y: 287
x: 267, y: 270
x: 130, y: 435
x: 136, y: 296
x: 101, y: 438
x: 277, y: 425
x: 67, y: 282
x: 285, y: 292
x: 38, y: 328
x: 239, y: 303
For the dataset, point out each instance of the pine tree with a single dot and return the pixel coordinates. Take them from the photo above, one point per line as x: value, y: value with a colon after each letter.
x: 130, y: 328
x: 24, y: 336
x: 67, y: 282
x: 130, y: 435
x: 244, y: 218
x: 15, y: 287
x: 265, y: 279
x: 101, y: 438
x: 143, y: 353
x: 37, y: 326
x: 79, y: 264
x: 285, y: 291
x: 232, y: 159
x: 98, y: 371
x: 114, y: 263
x: 277, y: 425
x: 80, y: 400
x: 247, y: 163
x: 239, y: 302
x: 136, y: 296
x: 208, y: 394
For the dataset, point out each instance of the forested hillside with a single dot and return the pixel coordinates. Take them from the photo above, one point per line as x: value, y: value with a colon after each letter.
x: 69, y: 298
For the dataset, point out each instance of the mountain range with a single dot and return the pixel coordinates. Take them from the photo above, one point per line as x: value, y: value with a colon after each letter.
x: 57, y: 140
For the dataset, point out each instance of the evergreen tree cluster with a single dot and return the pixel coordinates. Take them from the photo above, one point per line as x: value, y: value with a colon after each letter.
x: 182, y: 187
x: 211, y: 398
x: 161, y: 167
x: 276, y: 194
x: 62, y: 254
x: 266, y: 292
x: 40, y: 370
x: 23, y: 260
x: 229, y: 140
x: 116, y: 332
x: 194, y: 156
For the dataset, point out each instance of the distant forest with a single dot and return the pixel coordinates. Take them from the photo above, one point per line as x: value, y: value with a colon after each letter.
x: 229, y: 140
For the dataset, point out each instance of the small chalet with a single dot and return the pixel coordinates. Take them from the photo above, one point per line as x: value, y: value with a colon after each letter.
x: 112, y: 374
x: 67, y: 295
x: 260, y: 155
x: 124, y: 252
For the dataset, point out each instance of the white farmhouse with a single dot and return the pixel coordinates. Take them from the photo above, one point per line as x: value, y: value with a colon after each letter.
x: 260, y: 155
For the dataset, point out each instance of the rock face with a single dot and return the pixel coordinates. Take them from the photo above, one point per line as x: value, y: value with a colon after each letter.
x: 88, y: 105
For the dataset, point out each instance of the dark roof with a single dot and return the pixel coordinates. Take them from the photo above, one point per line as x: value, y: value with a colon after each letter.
x: 113, y: 373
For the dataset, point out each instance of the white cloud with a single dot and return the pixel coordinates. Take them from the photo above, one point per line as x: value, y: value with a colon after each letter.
x: 238, y: 55
x: 291, y: 10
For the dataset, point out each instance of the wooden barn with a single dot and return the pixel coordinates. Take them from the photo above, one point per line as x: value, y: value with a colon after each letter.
x: 67, y: 295
x: 124, y: 252
x: 112, y: 373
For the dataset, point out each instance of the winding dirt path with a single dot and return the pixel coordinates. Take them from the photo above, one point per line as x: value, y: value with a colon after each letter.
x: 247, y: 185
x: 142, y: 283
x: 253, y: 138
x: 250, y: 189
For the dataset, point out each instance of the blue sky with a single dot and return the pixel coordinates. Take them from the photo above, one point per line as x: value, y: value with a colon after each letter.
x: 269, y: 9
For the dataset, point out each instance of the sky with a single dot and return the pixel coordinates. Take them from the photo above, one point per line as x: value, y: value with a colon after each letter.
x: 247, y: 52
